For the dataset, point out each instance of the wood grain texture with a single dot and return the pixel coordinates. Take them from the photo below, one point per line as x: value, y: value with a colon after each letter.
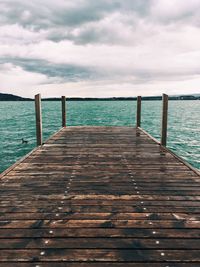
x: 164, y: 120
x: 138, y: 118
x: 99, y: 197
x: 38, y: 114
x: 63, y: 101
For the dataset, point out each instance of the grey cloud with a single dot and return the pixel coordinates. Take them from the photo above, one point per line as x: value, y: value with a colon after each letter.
x: 89, y: 35
x: 43, y: 15
x: 61, y: 72
x: 47, y: 16
x: 97, y: 35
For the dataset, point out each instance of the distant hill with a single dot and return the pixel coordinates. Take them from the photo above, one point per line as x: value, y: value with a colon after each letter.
x: 10, y: 97
x: 145, y: 98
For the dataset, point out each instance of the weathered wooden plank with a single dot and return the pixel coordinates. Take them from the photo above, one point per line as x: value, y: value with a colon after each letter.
x: 62, y: 223
x: 129, y: 188
x: 97, y: 202
x: 106, y: 209
x: 99, y: 243
x: 99, y: 232
x: 39, y: 214
x: 101, y: 255
x: 98, y: 264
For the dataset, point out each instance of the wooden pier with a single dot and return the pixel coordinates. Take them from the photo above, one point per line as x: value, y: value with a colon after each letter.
x: 106, y: 196
x: 99, y: 197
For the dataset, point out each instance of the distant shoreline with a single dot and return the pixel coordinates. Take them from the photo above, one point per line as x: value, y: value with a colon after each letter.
x: 9, y: 97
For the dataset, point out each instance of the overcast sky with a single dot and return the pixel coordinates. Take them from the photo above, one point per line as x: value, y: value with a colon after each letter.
x: 99, y: 48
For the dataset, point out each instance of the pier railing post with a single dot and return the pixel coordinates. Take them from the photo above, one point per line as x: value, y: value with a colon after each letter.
x: 63, y: 111
x: 139, y: 99
x: 164, y: 119
x: 38, y: 115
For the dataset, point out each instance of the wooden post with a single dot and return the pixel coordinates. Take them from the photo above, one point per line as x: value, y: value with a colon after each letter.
x: 63, y: 111
x: 38, y: 115
x: 138, y: 123
x: 164, y: 120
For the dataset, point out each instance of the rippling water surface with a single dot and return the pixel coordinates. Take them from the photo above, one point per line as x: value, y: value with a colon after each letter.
x: 17, y: 120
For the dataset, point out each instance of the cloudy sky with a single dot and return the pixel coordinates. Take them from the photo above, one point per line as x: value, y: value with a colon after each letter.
x: 99, y: 48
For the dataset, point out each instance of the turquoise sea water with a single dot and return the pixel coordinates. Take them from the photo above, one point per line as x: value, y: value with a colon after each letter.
x: 17, y: 120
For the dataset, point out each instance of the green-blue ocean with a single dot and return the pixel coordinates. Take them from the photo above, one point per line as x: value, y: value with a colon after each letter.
x: 17, y: 121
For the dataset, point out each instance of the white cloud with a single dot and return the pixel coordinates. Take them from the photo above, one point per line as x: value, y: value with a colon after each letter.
x: 174, y: 9
x: 17, y: 81
x: 15, y: 34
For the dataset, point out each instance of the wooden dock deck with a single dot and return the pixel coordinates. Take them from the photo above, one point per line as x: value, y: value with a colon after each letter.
x: 99, y: 197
